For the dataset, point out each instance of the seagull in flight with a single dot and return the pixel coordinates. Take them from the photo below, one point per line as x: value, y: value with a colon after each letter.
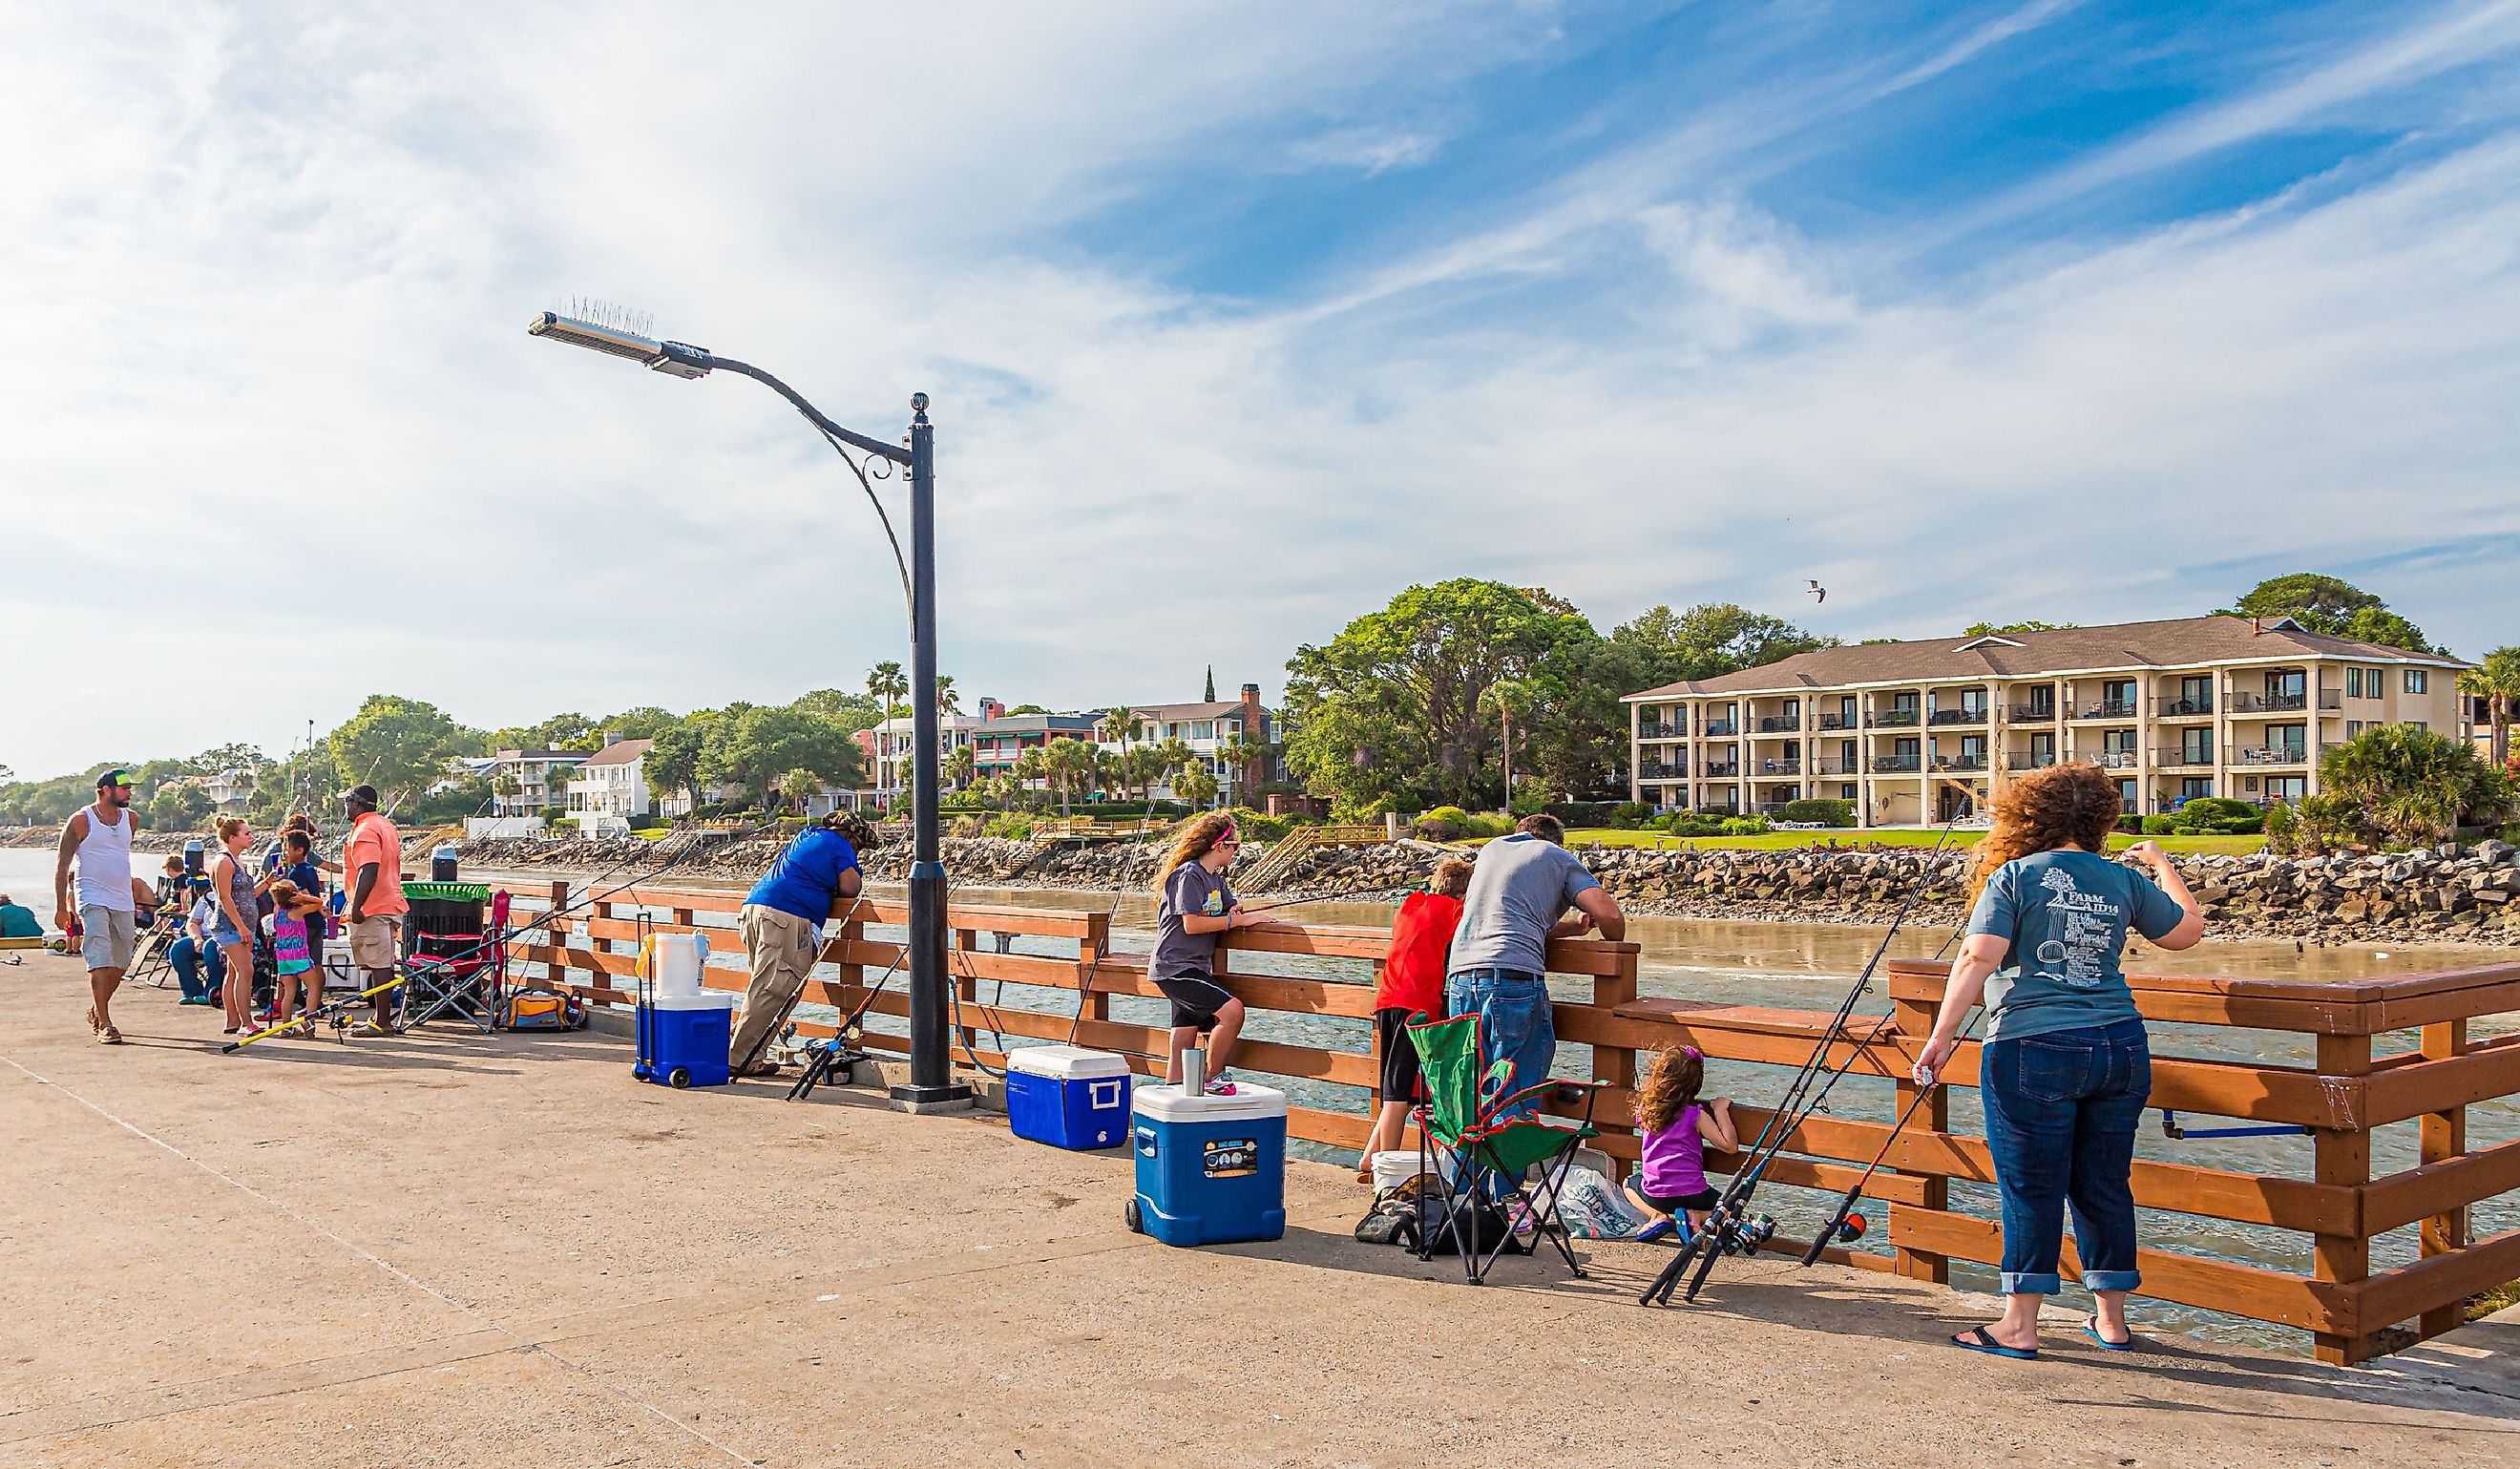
x: 1820, y: 593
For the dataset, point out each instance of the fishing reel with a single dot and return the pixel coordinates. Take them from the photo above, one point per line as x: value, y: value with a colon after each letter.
x: 1845, y: 1230
x: 1745, y: 1236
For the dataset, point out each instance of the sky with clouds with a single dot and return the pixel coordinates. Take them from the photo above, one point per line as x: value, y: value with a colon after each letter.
x: 1237, y: 319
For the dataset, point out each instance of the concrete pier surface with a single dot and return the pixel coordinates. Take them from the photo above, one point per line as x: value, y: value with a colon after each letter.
x: 451, y: 1249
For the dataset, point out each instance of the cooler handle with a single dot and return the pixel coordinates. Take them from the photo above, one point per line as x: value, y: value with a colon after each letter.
x: 1100, y: 1094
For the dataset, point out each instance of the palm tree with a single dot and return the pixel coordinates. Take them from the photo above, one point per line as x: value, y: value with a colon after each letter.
x: 1236, y: 753
x: 947, y: 701
x: 2496, y: 681
x: 1030, y: 766
x: 2415, y: 786
x: 886, y: 686
x: 799, y: 785
x: 1507, y: 698
x: 1069, y: 764
x: 1119, y: 726
x: 1194, y: 785
x: 961, y: 766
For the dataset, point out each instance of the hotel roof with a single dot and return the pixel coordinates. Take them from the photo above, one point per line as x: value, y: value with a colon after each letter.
x: 2126, y: 647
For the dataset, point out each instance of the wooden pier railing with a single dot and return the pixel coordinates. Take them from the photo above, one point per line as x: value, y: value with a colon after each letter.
x: 2345, y: 1095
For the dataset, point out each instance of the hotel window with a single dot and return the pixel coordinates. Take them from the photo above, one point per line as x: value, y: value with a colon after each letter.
x: 2417, y: 724
x: 2197, y: 746
x: 2195, y: 788
x: 2417, y: 681
x: 2353, y: 727
x: 1204, y: 728
x: 2118, y: 692
x: 2352, y: 683
x: 2118, y: 742
x: 2373, y: 681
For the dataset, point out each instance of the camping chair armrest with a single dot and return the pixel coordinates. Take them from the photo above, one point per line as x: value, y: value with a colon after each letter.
x: 1591, y: 1090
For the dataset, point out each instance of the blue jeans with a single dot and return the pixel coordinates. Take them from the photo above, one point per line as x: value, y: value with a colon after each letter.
x: 187, y: 957
x: 1515, y: 1022
x: 2061, y: 1112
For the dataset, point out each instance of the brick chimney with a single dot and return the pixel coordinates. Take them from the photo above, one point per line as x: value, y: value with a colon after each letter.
x: 991, y: 709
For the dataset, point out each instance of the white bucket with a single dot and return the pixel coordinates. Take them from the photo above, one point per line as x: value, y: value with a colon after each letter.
x: 679, y: 960
x: 1394, y: 1168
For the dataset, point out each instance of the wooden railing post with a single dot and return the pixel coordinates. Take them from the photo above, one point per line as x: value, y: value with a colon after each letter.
x: 2343, y: 1157
x: 966, y: 985
x: 1915, y: 1019
x: 1616, y: 1064
x: 553, y: 967
x: 2444, y: 1137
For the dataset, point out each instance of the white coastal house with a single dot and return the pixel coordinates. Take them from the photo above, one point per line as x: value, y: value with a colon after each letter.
x: 536, y: 778
x: 1207, y: 728
x: 611, y: 786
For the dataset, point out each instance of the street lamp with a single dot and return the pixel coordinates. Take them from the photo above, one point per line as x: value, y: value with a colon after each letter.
x: 931, y: 1077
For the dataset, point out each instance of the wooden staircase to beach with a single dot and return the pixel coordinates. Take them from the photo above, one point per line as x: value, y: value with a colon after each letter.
x: 1282, y: 858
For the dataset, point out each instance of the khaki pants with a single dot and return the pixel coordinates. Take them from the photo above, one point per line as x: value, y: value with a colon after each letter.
x: 783, y: 948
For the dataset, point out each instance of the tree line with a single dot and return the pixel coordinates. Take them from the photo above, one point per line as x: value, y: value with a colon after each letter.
x: 1438, y: 698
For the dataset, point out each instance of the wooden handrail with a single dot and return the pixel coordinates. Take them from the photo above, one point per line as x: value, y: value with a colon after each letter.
x: 2342, y: 1096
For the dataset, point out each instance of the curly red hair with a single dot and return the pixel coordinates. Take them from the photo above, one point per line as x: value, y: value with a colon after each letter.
x: 2076, y: 804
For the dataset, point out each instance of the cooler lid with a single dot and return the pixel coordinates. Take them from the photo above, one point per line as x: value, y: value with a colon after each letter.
x: 706, y: 1000
x: 1066, y: 1062
x: 1249, y: 1100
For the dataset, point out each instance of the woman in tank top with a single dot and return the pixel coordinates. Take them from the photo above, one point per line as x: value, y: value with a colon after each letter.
x: 232, y: 884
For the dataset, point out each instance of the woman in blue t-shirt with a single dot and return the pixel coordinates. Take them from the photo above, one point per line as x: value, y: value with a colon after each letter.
x: 2064, y: 1071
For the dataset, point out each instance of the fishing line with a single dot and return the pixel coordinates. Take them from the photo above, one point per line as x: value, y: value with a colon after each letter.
x: 1726, y: 1221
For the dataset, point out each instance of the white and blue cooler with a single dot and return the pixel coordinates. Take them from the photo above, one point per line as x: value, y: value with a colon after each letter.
x: 1068, y: 1096
x: 1211, y: 1169
x: 683, y: 1029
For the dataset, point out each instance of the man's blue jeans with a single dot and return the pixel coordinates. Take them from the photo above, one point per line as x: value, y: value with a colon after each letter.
x: 186, y: 957
x: 2061, y: 1112
x: 1515, y: 1022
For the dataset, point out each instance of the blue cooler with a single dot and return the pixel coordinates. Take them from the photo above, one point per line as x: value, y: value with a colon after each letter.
x: 1211, y: 1169
x: 683, y: 1038
x: 1068, y: 1096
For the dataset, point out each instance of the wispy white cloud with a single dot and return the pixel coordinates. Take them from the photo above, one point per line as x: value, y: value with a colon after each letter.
x: 284, y: 432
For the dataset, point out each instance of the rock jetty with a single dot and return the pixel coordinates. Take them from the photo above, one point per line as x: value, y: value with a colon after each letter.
x: 2438, y: 894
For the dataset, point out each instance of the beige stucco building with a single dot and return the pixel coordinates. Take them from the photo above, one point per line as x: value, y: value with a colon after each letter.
x: 1914, y: 732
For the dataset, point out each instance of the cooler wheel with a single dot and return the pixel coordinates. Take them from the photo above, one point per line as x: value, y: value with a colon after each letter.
x: 679, y: 1078
x: 1137, y: 1219
x: 640, y: 1072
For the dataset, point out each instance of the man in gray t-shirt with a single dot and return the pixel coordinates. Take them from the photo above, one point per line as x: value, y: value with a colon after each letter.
x: 1520, y: 889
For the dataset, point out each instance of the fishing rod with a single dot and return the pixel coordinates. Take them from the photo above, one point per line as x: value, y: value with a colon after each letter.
x: 1354, y: 892
x: 771, y: 1032
x: 1119, y: 895
x: 1845, y: 1226
x: 1729, y: 1228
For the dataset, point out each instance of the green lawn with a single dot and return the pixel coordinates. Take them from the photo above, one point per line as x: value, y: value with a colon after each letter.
x: 1778, y: 841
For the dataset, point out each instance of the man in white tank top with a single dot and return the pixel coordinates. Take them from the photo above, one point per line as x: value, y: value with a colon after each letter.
x: 98, y: 837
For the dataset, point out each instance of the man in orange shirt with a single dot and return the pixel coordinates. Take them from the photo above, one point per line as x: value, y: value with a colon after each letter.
x: 372, y: 870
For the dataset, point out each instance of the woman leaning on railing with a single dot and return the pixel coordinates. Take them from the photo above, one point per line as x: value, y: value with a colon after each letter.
x: 2064, y: 1071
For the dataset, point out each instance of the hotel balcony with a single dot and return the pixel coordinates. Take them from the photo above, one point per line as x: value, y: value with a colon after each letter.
x: 2033, y: 714
x: 1836, y: 722
x: 1715, y: 727
x: 1833, y: 765
x: 2106, y: 708
x: 1720, y: 771
x: 1893, y: 719
x: 1891, y: 764
x: 1785, y: 767
x: 1774, y: 723
x: 1958, y: 717
x: 2182, y: 708
x: 1959, y: 762
x: 1649, y: 729
x: 2028, y: 760
x: 2275, y: 703
x: 1650, y: 772
x: 2174, y: 759
x: 2112, y: 760
x: 2277, y: 754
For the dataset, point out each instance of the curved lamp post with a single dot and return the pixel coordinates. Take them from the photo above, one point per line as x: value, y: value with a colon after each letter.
x: 931, y: 1077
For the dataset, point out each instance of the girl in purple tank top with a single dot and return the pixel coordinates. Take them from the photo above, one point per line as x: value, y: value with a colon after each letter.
x: 1677, y: 1129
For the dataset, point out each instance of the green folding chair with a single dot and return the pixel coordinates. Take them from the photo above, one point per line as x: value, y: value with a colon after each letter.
x: 1474, y: 1113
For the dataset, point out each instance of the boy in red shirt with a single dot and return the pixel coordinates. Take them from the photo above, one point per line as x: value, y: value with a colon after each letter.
x: 1410, y: 985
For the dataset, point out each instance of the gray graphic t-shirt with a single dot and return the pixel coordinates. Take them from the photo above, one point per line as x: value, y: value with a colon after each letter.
x: 1190, y: 889
x: 2066, y: 915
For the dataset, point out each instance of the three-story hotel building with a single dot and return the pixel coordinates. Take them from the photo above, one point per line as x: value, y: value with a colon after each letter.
x: 1919, y: 732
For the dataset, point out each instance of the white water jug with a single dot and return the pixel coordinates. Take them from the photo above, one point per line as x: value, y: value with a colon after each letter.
x: 680, y: 959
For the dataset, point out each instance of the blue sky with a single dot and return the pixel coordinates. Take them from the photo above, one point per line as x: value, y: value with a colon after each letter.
x: 1236, y: 318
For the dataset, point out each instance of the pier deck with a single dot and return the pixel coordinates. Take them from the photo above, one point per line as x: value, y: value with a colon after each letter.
x: 459, y: 1250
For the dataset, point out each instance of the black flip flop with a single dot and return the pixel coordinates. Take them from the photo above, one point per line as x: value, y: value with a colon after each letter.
x: 1976, y: 1339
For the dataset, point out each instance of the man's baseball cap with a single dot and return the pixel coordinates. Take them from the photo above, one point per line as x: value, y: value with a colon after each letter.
x: 362, y: 794
x: 115, y: 777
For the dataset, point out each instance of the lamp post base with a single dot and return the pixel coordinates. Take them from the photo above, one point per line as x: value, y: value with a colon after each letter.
x: 955, y: 1098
